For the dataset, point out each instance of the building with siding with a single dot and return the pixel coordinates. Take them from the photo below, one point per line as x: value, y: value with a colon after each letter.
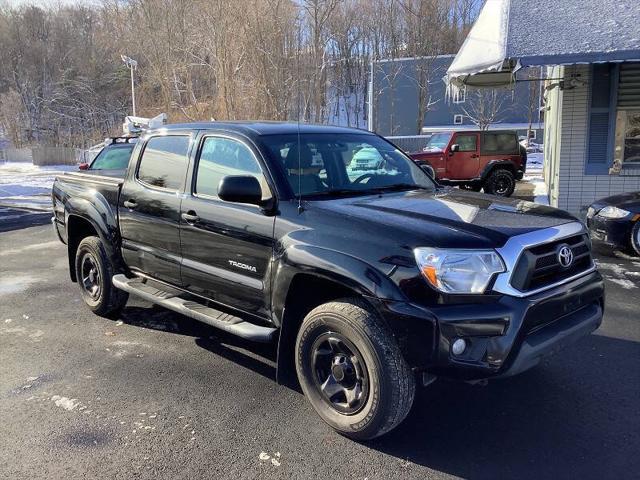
x: 398, y: 84
x: 591, y: 52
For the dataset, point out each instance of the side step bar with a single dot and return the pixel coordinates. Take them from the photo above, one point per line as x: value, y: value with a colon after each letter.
x: 195, y: 310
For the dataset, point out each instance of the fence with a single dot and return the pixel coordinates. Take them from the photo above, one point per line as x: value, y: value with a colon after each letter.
x: 16, y: 155
x: 55, y: 155
x: 410, y: 143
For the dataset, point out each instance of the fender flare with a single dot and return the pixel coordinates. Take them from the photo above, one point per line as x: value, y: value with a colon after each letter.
x: 100, y: 215
x: 340, y: 268
x: 494, y: 164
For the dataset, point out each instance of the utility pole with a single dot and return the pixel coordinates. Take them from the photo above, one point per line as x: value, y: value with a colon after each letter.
x: 131, y: 65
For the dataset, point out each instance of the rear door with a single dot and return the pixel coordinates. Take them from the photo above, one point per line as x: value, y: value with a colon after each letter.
x: 463, y: 164
x: 149, y: 207
x: 227, y: 247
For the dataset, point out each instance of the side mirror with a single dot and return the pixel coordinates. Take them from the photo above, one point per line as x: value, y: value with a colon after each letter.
x: 83, y: 166
x: 240, y: 189
x: 455, y: 148
x: 428, y: 169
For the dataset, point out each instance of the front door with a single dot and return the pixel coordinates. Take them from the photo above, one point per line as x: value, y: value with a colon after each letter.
x: 227, y: 247
x: 149, y: 207
x: 463, y: 164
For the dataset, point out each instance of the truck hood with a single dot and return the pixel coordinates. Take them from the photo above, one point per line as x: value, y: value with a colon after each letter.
x: 449, y: 216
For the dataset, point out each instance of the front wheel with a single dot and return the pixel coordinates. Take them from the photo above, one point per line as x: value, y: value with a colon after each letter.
x: 500, y: 182
x: 635, y: 238
x: 94, y: 272
x: 352, y: 371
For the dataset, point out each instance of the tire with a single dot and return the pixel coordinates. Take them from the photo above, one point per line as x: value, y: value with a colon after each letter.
x: 635, y: 238
x: 500, y: 182
x: 346, y: 342
x: 94, y: 272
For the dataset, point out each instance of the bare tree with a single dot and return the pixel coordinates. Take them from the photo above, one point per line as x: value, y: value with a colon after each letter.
x: 485, y: 107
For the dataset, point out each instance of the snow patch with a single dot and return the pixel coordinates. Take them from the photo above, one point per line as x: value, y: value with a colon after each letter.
x: 15, y: 283
x: 623, y: 282
x: 27, y: 248
x: 65, y: 402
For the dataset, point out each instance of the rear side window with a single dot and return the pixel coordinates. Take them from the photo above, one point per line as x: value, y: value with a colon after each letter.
x: 505, y: 143
x: 220, y: 157
x: 164, y: 161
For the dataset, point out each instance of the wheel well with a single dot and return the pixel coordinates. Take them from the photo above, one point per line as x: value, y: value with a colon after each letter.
x: 500, y: 166
x: 78, y: 228
x: 305, y: 293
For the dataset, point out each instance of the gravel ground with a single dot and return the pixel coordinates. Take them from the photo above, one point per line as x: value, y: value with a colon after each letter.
x: 155, y: 395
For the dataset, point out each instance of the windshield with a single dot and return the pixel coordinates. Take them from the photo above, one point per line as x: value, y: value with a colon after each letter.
x: 437, y: 142
x: 113, y: 157
x: 326, y: 165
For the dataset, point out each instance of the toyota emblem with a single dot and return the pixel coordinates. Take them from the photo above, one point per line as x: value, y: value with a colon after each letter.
x: 565, y: 256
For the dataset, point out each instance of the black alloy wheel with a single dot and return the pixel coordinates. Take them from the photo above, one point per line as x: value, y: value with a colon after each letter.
x: 340, y: 373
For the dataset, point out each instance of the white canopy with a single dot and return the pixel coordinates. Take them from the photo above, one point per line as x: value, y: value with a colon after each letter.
x: 484, y: 49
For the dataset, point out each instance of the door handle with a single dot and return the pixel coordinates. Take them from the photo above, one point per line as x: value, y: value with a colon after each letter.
x: 130, y: 204
x: 190, y: 217
x: 475, y: 155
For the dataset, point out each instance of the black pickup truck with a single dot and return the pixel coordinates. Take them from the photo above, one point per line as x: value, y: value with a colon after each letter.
x: 368, y: 282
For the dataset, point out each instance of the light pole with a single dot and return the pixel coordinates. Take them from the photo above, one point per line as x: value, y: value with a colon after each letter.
x: 131, y: 65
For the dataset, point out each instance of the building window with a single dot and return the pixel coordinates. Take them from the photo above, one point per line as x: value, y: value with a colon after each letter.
x: 460, y: 95
x: 457, y: 119
x: 627, y: 116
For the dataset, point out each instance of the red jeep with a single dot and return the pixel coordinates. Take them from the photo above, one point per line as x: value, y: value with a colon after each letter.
x: 490, y: 159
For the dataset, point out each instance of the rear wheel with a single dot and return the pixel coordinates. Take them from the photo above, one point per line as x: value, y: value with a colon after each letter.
x: 94, y: 272
x: 635, y: 238
x: 351, y: 370
x: 500, y: 182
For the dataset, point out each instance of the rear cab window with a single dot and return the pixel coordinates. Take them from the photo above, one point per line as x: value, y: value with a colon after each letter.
x: 164, y: 162
x: 113, y: 157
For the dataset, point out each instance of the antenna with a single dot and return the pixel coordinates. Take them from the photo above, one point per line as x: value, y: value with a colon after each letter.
x: 300, y: 207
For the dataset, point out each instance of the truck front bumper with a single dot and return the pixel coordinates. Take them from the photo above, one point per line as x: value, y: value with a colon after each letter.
x: 503, y: 337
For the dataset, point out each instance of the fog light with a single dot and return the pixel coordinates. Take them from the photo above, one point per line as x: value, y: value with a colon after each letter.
x: 458, y: 346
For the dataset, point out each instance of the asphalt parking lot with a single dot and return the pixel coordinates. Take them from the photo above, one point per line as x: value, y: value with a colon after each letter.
x: 156, y: 395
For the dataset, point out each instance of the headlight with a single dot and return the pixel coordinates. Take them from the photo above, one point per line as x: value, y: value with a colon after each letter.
x: 458, y: 271
x: 613, y: 212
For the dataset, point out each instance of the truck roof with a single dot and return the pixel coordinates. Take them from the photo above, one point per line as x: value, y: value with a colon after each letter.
x: 258, y: 128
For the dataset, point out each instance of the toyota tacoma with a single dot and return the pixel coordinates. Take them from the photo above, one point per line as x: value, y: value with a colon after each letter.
x: 369, y: 282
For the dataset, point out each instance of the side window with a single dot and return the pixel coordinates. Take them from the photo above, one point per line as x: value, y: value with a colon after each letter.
x: 467, y: 143
x: 164, y: 161
x: 500, y: 143
x: 220, y: 157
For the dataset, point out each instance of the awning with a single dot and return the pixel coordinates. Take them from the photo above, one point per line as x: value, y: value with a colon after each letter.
x: 484, y: 50
x: 512, y: 34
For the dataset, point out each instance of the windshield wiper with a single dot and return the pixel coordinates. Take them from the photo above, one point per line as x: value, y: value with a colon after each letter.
x: 366, y: 191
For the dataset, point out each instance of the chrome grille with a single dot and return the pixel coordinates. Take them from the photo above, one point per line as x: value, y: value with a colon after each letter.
x: 539, y: 266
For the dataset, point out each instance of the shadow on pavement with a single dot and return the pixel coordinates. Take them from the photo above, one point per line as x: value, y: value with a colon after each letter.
x: 576, y: 417
x: 14, y: 219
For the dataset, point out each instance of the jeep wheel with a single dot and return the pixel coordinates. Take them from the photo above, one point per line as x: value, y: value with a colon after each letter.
x: 635, y: 238
x: 500, y: 182
x: 94, y: 272
x: 351, y: 370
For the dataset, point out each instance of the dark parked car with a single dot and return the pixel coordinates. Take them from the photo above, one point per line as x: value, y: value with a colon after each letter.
x: 367, y: 281
x: 616, y: 221
x: 492, y: 160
